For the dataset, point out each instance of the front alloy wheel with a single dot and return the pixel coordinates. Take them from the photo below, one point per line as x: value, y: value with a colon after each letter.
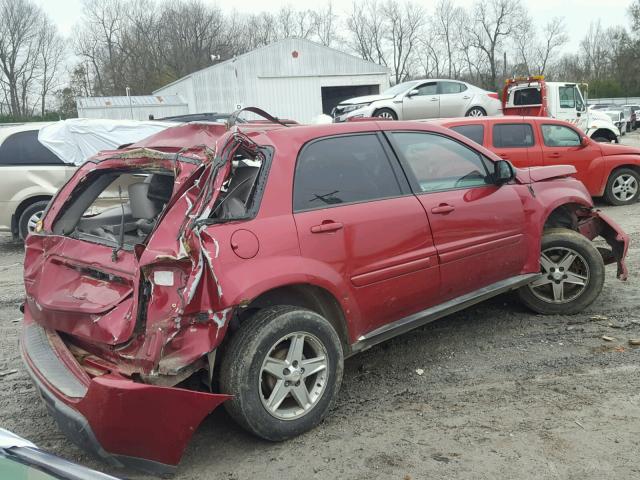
x: 623, y: 187
x: 284, y: 368
x: 571, y: 274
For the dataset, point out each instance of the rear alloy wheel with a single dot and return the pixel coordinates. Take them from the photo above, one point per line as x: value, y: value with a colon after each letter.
x: 572, y: 274
x: 30, y: 217
x: 386, y: 113
x: 476, y: 112
x: 623, y: 187
x: 284, y: 368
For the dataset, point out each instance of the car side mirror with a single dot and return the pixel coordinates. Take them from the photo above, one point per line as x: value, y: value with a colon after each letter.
x: 503, y: 172
x: 413, y: 93
x: 584, y: 141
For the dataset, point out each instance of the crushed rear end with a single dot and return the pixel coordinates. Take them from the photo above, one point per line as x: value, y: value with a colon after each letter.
x: 123, y: 307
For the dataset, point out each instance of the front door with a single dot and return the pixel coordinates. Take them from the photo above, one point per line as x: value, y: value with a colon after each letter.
x: 361, y: 226
x: 478, y: 227
x: 425, y: 103
x: 563, y: 146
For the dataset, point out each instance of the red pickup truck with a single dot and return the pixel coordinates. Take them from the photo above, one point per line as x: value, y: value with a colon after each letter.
x: 607, y: 170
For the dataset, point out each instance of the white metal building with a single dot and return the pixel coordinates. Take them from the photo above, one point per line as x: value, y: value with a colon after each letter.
x: 294, y: 78
x: 131, y: 108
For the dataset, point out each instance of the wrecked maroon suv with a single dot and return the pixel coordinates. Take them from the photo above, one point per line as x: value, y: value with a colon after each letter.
x: 244, y: 265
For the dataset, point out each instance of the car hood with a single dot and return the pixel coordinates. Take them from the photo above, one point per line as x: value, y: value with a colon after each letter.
x: 365, y: 99
x: 618, y: 149
x: 541, y: 174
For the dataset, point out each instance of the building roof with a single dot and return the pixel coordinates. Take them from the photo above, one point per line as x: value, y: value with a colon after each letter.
x: 373, y: 68
x: 123, y: 101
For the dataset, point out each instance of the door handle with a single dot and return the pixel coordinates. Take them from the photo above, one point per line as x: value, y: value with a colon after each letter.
x: 326, y: 226
x: 443, y: 208
x: 503, y: 155
x: 434, y: 99
x: 554, y: 155
x: 467, y: 97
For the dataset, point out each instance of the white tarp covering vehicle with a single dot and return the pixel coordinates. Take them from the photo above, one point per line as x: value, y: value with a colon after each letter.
x: 76, y: 139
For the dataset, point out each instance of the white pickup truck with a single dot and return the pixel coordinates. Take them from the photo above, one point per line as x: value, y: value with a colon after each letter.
x: 532, y: 96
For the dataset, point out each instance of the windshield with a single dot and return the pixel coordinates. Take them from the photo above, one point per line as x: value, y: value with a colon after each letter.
x: 400, y: 88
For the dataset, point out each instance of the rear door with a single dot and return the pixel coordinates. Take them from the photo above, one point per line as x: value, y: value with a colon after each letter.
x: 426, y: 104
x: 454, y: 98
x: 478, y: 227
x: 357, y: 217
x: 516, y: 142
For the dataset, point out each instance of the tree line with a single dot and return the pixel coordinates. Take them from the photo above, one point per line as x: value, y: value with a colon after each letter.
x: 145, y: 44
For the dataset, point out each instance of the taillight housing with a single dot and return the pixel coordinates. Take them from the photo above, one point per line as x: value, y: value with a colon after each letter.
x: 493, y: 95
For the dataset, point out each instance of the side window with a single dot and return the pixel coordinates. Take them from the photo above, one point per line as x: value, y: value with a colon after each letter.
x: 512, y: 135
x: 428, y: 89
x: 560, y: 136
x: 441, y: 163
x: 23, y: 148
x: 451, y: 87
x: 567, y: 96
x: 345, y: 169
x: 472, y: 132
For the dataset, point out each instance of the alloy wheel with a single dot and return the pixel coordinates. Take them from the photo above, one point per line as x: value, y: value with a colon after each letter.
x: 565, y: 276
x: 386, y: 115
x: 625, y: 187
x: 33, y: 221
x: 293, y: 375
x: 476, y: 112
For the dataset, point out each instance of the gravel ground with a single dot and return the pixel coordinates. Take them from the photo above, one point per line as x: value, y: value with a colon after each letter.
x: 504, y: 394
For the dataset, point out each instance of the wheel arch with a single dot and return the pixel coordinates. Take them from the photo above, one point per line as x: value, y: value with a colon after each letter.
x: 385, y: 107
x: 604, y: 132
x: 304, y: 295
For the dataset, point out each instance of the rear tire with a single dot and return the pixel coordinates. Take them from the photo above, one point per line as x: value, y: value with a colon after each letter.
x: 476, y: 112
x: 386, y: 113
x: 29, y: 217
x: 623, y: 187
x: 264, y: 362
x: 573, y: 275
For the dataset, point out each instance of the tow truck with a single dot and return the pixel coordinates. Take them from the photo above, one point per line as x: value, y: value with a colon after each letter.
x: 533, y: 96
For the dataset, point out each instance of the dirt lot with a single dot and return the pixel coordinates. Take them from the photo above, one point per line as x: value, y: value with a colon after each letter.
x: 504, y: 394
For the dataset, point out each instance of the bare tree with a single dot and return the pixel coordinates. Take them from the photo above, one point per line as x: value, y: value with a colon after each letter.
x: 495, y: 20
x: 404, y: 23
x: 444, y: 24
x: 50, y: 58
x: 368, y: 30
x: 20, y: 45
x: 325, y: 23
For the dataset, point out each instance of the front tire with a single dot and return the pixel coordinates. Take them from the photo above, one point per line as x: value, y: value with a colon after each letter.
x: 476, y: 112
x: 386, y: 113
x: 30, y: 217
x: 572, y: 275
x: 284, y: 367
x: 623, y: 187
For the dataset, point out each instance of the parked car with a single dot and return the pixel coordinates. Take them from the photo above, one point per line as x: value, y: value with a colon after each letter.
x: 33, y: 168
x: 421, y: 99
x: 535, y: 97
x: 635, y: 115
x: 618, y: 118
x: 254, y: 272
x: 607, y: 170
x: 21, y: 459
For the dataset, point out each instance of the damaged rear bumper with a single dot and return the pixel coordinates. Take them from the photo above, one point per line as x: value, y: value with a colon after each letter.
x: 596, y: 223
x: 125, y: 423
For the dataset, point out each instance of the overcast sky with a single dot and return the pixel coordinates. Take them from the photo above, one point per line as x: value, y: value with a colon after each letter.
x: 577, y: 13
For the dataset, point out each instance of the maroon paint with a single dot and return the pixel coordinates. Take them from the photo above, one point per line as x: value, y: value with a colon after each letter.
x: 380, y: 261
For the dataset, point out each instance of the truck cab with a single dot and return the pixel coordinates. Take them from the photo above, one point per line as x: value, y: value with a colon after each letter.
x: 533, y: 96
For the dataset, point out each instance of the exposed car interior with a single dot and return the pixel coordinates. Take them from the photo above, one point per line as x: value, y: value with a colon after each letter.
x: 141, y: 203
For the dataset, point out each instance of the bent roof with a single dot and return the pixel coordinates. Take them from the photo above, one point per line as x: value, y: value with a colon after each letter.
x: 184, y: 136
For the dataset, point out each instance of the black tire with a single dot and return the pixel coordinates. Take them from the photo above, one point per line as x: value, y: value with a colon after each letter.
x: 616, y: 177
x: 386, y: 113
x: 36, y: 208
x: 554, y: 240
x: 240, y: 373
x: 601, y: 139
x: 476, y: 112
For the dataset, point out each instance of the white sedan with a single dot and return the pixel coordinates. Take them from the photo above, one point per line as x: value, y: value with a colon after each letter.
x: 420, y: 99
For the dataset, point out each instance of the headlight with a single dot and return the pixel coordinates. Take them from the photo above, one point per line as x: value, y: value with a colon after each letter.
x: 351, y: 108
